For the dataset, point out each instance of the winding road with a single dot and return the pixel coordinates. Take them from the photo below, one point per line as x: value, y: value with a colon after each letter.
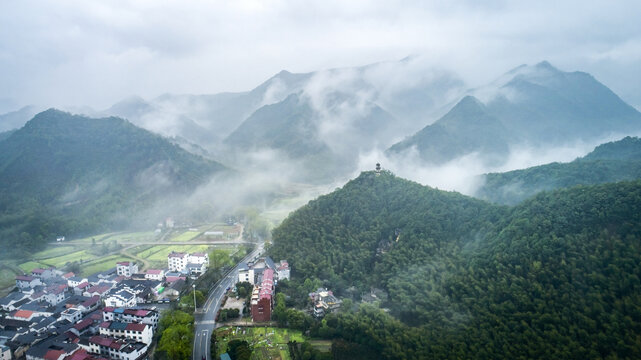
x: 206, y: 319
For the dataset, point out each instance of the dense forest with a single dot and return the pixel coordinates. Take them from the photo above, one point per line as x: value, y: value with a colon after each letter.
x: 63, y: 174
x: 554, y: 277
x: 609, y: 162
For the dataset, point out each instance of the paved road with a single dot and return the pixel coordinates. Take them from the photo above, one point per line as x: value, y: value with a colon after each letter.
x: 205, y: 322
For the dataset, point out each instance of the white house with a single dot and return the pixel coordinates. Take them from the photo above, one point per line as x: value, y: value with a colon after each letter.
x: 282, y: 270
x: 54, y: 295
x: 177, y: 261
x: 121, y: 298
x: 75, y: 281
x: 5, y: 352
x: 245, y: 273
x: 43, y: 273
x: 155, y: 274
x: 136, y: 332
x: 142, y: 316
x: 199, y: 258
x: 24, y: 282
x: 72, y: 315
x: 126, y: 268
x: 123, y: 349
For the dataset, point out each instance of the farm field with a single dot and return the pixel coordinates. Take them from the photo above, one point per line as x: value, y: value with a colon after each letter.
x: 157, y: 255
x: 89, y: 239
x: 186, y: 236
x: 267, y: 342
x: 7, y: 278
x: 102, y: 264
x: 30, y: 265
x: 61, y: 261
x: 54, y: 251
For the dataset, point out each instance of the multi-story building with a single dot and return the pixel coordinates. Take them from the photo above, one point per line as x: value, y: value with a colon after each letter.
x: 155, y: 274
x: 261, y: 301
x: 24, y: 282
x: 199, y: 258
x: 194, y: 264
x: 124, y: 349
x: 245, y: 273
x: 133, y: 331
x: 126, y: 268
x: 143, y: 316
x: 177, y: 261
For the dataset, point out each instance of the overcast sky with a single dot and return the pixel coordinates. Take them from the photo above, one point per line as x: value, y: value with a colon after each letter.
x: 61, y: 53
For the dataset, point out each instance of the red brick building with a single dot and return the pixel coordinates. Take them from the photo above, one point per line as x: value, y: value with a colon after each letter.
x: 261, y: 302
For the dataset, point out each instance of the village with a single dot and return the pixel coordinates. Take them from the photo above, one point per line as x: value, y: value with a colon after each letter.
x: 113, y: 314
x: 110, y: 314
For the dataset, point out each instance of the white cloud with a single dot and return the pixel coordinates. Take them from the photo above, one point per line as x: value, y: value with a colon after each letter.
x: 79, y: 52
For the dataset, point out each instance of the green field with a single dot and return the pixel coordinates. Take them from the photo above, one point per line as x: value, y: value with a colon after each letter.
x: 88, y: 240
x: 30, y: 265
x: 54, y: 251
x: 7, y: 278
x: 61, y: 261
x: 157, y: 255
x: 267, y: 342
x: 186, y: 236
x: 102, y: 264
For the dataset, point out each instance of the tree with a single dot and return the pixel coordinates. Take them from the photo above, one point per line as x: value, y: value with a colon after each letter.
x: 239, y: 350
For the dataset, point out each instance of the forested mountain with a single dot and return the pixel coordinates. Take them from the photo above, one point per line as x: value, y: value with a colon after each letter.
x: 610, y: 162
x: 68, y: 174
x: 531, y: 105
x: 555, y: 277
x: 405, y: 91
x: 325, y: 143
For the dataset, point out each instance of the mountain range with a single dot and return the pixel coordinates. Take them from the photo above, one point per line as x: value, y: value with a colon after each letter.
x: 531, y: 106
x: 69, y: 174
x: 610, y: 162
x: 334, y: 117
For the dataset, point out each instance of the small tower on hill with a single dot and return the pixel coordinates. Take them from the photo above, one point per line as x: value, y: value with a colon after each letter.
x: 378, y: 168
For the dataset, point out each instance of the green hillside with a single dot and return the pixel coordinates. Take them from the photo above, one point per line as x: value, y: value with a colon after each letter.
x: 555, y: 277
x: 68, y: 174
x: 610, y: 162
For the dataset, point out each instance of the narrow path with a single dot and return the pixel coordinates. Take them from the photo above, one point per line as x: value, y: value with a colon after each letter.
x: 145, y: 263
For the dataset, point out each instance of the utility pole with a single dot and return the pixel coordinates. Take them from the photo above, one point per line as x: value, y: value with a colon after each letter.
x: 193, y: 286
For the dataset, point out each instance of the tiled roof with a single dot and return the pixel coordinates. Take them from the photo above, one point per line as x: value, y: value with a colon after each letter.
x: 136, y: 327
x: 23, y: 314
x: 24, y: 277
x: 83, y: 324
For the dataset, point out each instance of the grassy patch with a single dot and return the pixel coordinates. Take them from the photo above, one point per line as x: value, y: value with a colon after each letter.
x: 157, y: 255
x: 186, y: 236
x: 7, y: 278
x: 102, y: 265
x: 321, y: 345
x: 133, y: 236
x: 88, y: 240
x: 54, y: 251
x: 61, y: 261
x: 30, y: 265
x: 267, y: 342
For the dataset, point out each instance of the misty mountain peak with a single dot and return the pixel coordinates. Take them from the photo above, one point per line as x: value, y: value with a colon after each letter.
x: 468, y: 106
x: 545, y: 65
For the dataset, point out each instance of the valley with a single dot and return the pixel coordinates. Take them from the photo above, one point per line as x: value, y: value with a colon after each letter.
x: 526, y: 262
